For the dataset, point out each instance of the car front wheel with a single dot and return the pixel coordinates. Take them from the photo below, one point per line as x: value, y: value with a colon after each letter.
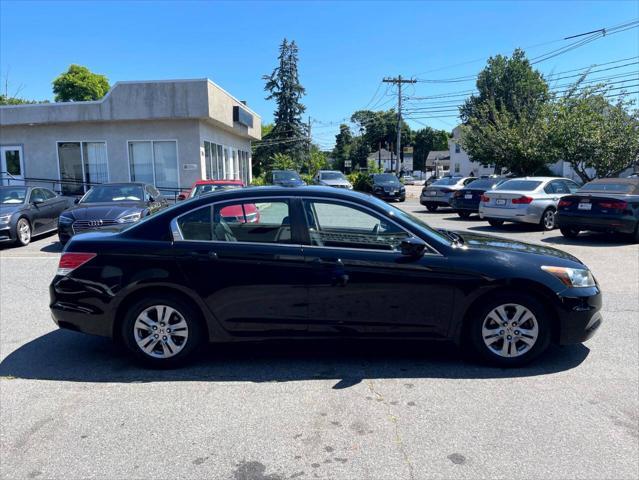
x: 23, y: 232
x: 162, y: 331
x: 510, y: 330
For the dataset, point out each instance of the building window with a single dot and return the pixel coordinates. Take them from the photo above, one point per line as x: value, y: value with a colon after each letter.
x: 457, y: 148
x: 457, y: 168
x: 154, y: 162
x: 82, y: 165
x: 214, y: 163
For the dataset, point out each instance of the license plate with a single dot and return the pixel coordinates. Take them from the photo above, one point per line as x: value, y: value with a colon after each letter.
x: 432, y: 193
x: 392, y: 192
x: 500, y: 201
x: 585, y: 206
x: 468, y: 196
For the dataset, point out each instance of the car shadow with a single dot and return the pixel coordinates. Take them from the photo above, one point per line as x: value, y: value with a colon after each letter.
x: 591, y: 239
x: 508, y: 228
x: 64, y: 355
x: 53, y: 247
x: 473, y: 218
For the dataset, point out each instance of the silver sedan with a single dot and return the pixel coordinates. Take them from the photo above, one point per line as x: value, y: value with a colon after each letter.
x: 440, y: 192
x: 525, y: 200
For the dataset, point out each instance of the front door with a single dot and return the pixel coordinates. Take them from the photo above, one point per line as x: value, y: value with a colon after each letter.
x: 360, y: 284
x: 11, y: 165
x: 244, y: 262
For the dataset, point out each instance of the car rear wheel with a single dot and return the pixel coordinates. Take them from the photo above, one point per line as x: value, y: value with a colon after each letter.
x: 512, y: 329
x: 162, y: 332
x: 23, y: 232
x: 569, y: 232
x: 548, y: 219
x: 431, y: 207
x: 495, y: 223
x: 464, y: 215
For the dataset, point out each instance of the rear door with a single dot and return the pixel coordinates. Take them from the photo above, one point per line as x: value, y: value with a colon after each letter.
x: 360, y: 284
x: 245, y: 262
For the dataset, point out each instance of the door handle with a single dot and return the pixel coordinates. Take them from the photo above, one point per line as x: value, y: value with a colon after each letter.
x: 201, y: 255
x: 336, y: 262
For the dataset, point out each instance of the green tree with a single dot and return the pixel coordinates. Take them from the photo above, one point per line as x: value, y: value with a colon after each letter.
x: 360, y: 150
x: 379, y: 129
x: 289, y: 134
x: 506, y: 123
x: 318, y: 161
x: 78, y: 84
x: 7, y: 100
x: 282, y: 161
x: 425, y: 141
x: 343, y: 145
x: 590, y: 132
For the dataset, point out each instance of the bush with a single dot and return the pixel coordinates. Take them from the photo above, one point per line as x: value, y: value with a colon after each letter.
x: 259, y: 181
x: 361, y: 181
x: 307, y: 177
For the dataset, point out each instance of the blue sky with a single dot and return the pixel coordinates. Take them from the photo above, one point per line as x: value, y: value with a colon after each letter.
x: 345, y: 48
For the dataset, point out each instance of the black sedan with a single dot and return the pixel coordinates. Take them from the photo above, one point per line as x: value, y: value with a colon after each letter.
x: 285, y: 178
x: 319, y: 263
x: 110, y: 205
x: 603, y: 205
x: 29, y: 211
x: 387, y: 187
x: 466, y: 201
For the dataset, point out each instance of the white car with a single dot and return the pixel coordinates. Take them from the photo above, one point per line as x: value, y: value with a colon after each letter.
x: 525, y: 200
x: 332, y: 178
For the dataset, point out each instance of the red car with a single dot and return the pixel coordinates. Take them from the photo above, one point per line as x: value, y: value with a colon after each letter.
x: 247, y: 213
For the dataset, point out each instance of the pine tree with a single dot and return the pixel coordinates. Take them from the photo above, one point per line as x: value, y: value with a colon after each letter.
x: 289, y: 134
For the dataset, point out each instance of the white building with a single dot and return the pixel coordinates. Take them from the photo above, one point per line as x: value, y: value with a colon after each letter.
x: 387, y: 159
x: 460, y: 163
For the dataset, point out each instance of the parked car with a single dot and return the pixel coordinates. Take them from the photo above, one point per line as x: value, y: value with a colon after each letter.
x: 387, y: 187
x: 408, y: 180
x: 440, y: 192
x: 320, y: 263
x: 466, y: 201
x: 603, y: 205
x: 332, y: 178
x: 285, y: 178
x: 29, y: 211
x: 207, y: 186
x: 525, y: 200
x: 110, y: 205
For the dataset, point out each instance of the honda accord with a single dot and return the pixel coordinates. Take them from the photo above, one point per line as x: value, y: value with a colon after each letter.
x: 319, y: 263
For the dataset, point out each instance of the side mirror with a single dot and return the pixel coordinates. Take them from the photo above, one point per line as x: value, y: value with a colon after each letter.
x: 76, y: 200
x: 37, y: 200
x: 412, y: 247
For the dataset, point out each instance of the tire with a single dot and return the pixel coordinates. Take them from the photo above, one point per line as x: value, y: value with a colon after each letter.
x: 569, y: 232
x: 636, y: 234
x: 497, y: 349
x: 464, y: 215
x: 431, y: 207
x: 23, y: 232
x: 548, y: 220
x: 495, y: 223
x: 162, y: 354
x: 403, y: 199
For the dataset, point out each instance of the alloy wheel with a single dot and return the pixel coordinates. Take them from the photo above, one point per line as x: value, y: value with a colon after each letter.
x: 549, y: 219
x: 24, y: 231
x: 510, y: 330
x: 160, y: 331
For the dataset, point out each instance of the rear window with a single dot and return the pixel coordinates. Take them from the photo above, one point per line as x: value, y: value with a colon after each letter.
x: 484, y: 183
x: 519, y: 185
x: 447, y: 181
x: 609, y: 187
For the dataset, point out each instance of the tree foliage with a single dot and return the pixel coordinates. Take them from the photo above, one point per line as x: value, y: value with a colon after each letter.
x: 426, y: 140
x: 343, y: 145
x: 506, y: 123
x: 8, y: 100
x: 78, y: 84
x: 590, y: 132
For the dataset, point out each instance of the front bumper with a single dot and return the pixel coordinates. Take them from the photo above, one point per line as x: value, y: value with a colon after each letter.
x: 579, y: 314
x: 7, y: 234
x: 597, y: 223
x: 390, y: 196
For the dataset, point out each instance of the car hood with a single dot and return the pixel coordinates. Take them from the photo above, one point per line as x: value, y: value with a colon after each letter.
x: 11, y: 208
x: 387, y: 184
x: 290, y: 183
x: 498, y: 244
x: 103, y: 211
x: 334, y: 182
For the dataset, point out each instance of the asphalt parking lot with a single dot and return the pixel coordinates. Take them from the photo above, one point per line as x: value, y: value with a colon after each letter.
x: 73, y: 406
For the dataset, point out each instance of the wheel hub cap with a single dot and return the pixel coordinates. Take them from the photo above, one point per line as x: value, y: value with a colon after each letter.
x: 160, y: 331
x: 510, y: 330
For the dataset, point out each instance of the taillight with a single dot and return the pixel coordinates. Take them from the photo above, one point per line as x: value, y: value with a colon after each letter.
x: 458, y: 193
x: 71, y: 260
x: 564, y: 203
x: 485, y: 198
x: 521, y: 200
x: 615, y: 205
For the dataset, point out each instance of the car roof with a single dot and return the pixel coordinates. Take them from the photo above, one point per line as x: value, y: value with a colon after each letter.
x: 218, y: 182
x: 121, y: 184
x: 629, y: 181
x: 540, y: 179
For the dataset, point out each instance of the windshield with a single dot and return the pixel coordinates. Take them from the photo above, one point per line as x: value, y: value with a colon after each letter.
x: 12, y: 195
x: 332, y: 176
x: 114, y: 193
x: 519, y: 185
x: 399, y: 213
x: 208, y: 188
x: 385, y: 178
x: 609, y: 187
x: 447, y: 181
x: 484, y: 183
x: 285, y: 176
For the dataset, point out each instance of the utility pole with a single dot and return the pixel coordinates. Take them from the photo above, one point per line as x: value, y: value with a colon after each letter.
x: 309, y: 145
x: 398, y: 81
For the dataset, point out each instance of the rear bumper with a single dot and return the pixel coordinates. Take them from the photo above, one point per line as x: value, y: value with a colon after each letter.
x: 522, y: 215
x: 464, y: 205
x: 620, y: 224
x: 579, y: 314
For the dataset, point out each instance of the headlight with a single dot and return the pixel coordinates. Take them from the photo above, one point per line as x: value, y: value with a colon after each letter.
x: 5, y: 219
x: 571, y: 277
x: 130, y: 218
x: 65, y: 220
